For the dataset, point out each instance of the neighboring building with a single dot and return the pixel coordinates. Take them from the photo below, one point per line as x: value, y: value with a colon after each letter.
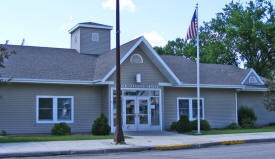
x: 52, y: 85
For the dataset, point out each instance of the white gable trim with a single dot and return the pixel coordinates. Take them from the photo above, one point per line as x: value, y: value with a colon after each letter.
x: 153, y: 52
x: 161, y: 61
x: 257, y: 76
x: 122, y: 60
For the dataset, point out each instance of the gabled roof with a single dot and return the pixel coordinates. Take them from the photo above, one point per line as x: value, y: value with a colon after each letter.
x: 127, y: 49
x: 217, y: 74
x: 252, y: 71
x: 107, y: 60
x: 43, y: 63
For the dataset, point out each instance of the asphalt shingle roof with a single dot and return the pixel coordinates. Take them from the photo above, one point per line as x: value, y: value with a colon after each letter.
x: 67, y: 64
x: 48, y: 63
x: 186, y: 71
x: 59, y: 64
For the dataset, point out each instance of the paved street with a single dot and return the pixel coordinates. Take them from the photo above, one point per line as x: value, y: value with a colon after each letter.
x: 245, y: 151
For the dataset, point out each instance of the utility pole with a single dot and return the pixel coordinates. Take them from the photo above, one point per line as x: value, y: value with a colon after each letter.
x: 119, y: 136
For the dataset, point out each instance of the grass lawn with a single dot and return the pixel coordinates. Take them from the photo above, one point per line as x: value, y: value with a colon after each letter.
x: 8, y: 139
x: 229, y: 131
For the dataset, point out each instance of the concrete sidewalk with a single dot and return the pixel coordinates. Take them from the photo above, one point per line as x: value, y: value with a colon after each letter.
x: 139, y: 142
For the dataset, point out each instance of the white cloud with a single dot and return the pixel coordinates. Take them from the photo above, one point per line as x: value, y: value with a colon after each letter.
x: 65, y: 27
x: 155, y: 38
x: 124, y: 5
x: 68, y: 24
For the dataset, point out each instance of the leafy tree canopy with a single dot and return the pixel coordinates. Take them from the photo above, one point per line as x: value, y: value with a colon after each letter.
x: 4, y: 53
x: 238, y: 33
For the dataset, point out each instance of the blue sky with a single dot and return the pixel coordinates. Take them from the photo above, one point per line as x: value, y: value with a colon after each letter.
x: 46, y: 22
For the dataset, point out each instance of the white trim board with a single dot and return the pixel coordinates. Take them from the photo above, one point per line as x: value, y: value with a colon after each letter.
x: 254, y: 89
x: 49, y: 81
x: 257, y: 76
x: 90, y: 26
x: 201, y: 85
x: 142, y: 39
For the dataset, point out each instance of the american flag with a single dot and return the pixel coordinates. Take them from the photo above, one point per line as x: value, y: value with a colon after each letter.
x: 192, y: 30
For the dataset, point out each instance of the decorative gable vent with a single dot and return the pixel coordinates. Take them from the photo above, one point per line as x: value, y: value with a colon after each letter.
x: 252, y: 80
x: 136, y: 58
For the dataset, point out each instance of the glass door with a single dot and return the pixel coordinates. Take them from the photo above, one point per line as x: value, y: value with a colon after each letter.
x: 136, y: 113
x: 129, y: 114
x: 144, y: 114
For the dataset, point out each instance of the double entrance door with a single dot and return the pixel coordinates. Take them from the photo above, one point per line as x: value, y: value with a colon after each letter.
x: 136, y: 113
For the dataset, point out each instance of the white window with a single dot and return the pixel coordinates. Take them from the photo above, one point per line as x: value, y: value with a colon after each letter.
x: 95, y: 37
x: 136, y: 58
x: 252, y: 80
x: 189, y: 107
x: 54, y: 109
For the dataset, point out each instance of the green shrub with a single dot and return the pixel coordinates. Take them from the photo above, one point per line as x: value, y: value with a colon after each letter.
x: 232, y: 126
x: 184, y: 125
x: 174, y: 126
x: 246, y: 115
x: 271, y: 124
x: 248, y: 123
x: 204, y: 125
x: 3, y: 133
x: 61, y: 129
x: 101, y: 126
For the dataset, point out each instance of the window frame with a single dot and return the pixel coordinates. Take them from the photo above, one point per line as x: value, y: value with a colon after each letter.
x: 139, y: 56
x: 190, y: 113
x: 55, y: 110
x: 95, y: 37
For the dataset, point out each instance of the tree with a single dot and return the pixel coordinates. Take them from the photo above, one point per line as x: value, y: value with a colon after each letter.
x: 238, y: 33
x: 4, y: 53
x: 269, y: 100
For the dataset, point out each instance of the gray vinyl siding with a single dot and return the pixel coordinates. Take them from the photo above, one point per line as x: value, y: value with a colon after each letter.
x: 18, y: 106
x: 105, y: 101
x: 150, y: 75
x: 255, y: 101
x: 91, y: 47
x: 75, y: 40
x: 219, y: 105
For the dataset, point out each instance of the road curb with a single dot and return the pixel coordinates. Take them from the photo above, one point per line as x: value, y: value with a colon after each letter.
x: 135, y: 149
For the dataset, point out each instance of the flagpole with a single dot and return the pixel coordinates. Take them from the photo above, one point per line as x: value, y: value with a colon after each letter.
x: 198, y: 71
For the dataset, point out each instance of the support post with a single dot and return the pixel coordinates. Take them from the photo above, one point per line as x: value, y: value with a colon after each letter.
x: 198, y: 72
x: 119, y: 136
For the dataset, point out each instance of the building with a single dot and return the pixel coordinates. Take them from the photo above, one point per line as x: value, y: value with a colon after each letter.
x: 43, y: 86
